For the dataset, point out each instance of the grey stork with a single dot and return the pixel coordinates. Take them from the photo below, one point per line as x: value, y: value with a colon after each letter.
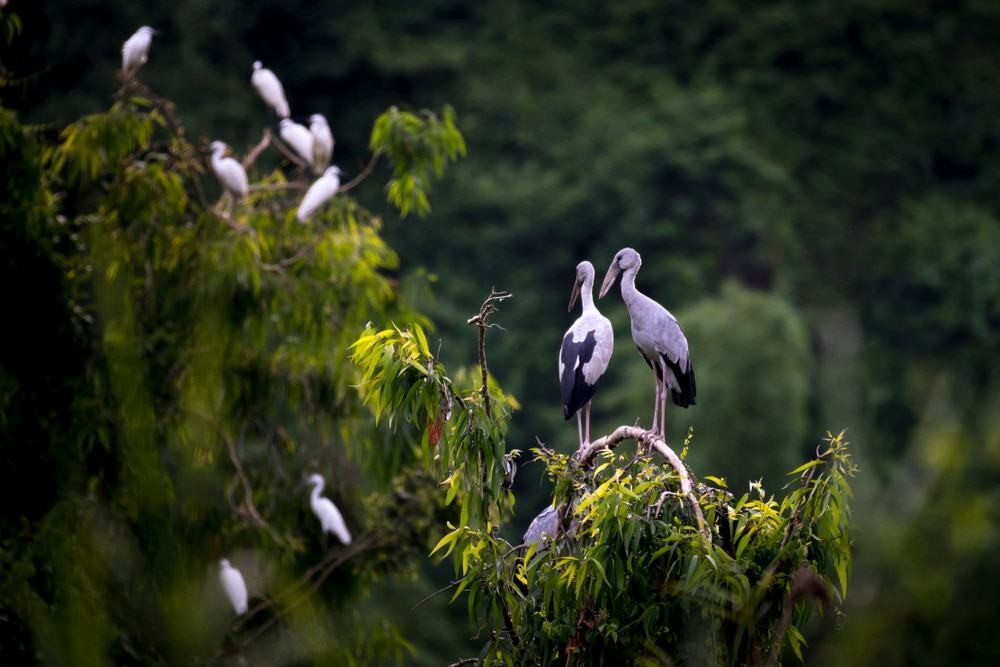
x: 658, y: 336
x: 585, y: 352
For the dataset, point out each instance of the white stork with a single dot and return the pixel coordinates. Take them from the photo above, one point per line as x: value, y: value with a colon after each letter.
x: 658, y: 336
x: 322, y: 142
x: 231, y: 174
x: 235, y: 587
x: 585, y: 352
x: 322, y: 189
x: 298, y: 137
x: 135, y: 50
x: 329, y: 516
x: 270, y: 89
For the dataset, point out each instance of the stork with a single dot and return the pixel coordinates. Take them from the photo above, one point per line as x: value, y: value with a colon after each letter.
x: 322, y: 189
x: 270, y: 89
x: 231, y: 174
x: 298, y: 137
x: 329, y: 516
x: 585, y: 352
x: 235, y: 587
x: 322, y: 142
x: 135, y: 50
x: 657, y: 335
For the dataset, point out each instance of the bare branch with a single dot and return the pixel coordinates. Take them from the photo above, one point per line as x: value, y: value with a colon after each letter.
x: 365, y: 173
x: 481, y: 320
x: 265, y: 141
x: 290, y: 155
x: 464, y: 661
x: 650, y: 441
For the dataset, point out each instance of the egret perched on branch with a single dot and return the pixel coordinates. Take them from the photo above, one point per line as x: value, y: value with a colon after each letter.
x: 235, y: 587
x: 658, y: 336
x: 230, y: 173
x: 329, y: 516
x: 322, y: 142
x: 270, y: 89
x: 585, y: 352
x: 299, y: 138
x: 136, y: 49
x: 319, y: 192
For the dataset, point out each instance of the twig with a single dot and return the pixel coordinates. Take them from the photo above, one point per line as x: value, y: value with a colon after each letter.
x: 804, y: 583
x: 265, y: 141
x: 481, y: 320
x: 274, y: 187
x: 464, y: 661
x: 365, y: 173
x: 650, y: 440
x: 437, y: 592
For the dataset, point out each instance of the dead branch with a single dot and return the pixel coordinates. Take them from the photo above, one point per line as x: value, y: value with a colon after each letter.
x: 481, y: 320
x: 651, y: 441
x: 290, y: 155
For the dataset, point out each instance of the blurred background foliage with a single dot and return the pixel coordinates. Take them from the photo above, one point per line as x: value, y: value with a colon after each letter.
x: 812, y: 187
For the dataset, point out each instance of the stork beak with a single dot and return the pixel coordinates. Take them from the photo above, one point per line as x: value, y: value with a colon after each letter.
x: 573, y: 296
x: 609, y: 280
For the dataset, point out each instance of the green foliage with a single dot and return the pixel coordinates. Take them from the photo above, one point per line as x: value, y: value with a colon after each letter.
x: 448, y: 424
x: 419, y: 146
x: 632, y: 577
x: 211, y: 376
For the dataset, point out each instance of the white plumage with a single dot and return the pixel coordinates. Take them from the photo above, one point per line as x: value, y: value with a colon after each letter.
x: 329, y: 516
x: 298, y: 137
x: 657, y: 334
x: 135, y: 50
x: 230, y: 173
x: 270, y: 89
x: 322, y: 142
x: 319, y: 193
x: 235, y: 587
x: 585, y: 352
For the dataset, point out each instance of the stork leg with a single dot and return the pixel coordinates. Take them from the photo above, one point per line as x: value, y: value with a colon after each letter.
x: 579, y: 428
x: 663, y: 412
x: 586, y: 419
x: 656, y: 402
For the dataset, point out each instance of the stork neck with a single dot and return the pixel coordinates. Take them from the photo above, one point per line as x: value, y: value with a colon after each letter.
x: 317, y: 489
x: 587, y: 293
x: 629, y: 291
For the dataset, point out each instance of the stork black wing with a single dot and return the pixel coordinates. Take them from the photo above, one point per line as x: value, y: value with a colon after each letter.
x: 572, y: 385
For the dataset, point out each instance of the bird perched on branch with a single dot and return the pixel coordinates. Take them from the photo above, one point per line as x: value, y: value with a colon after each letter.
x: 270, y: 89
x: 321, y: 191
x: 298, y: 137
x: 135, y: 50
x: 322, y: 142
x: 585, y: 352
x: 235, y: 587
x: 329, y: 516
x: 231, y: 174
x: 657, y: 335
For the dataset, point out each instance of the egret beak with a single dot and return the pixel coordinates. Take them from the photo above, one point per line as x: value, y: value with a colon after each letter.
x: 609, y: 280
x: 574, y: 295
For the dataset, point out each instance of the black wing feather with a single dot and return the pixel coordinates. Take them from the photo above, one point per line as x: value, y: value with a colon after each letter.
x: 572, y: 386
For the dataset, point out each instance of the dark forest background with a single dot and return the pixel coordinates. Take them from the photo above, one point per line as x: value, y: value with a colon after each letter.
x: 813, y: 187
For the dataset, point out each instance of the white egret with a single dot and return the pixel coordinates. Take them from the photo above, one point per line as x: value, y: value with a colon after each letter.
x: 298, y: 137
x: 329, y: 516
x: 230, y: 172
x: 235, y: 587
x: 270, y: 89
x: 136, y: 49
x: 319, y: 193
x: 322, y: 142
x: 658, y: 336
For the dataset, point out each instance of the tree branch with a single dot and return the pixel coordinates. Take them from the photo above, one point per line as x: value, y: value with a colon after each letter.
x: 651, y: 441
x: 365, y: 173
x: 265, y: 141
x: 481, y: 320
